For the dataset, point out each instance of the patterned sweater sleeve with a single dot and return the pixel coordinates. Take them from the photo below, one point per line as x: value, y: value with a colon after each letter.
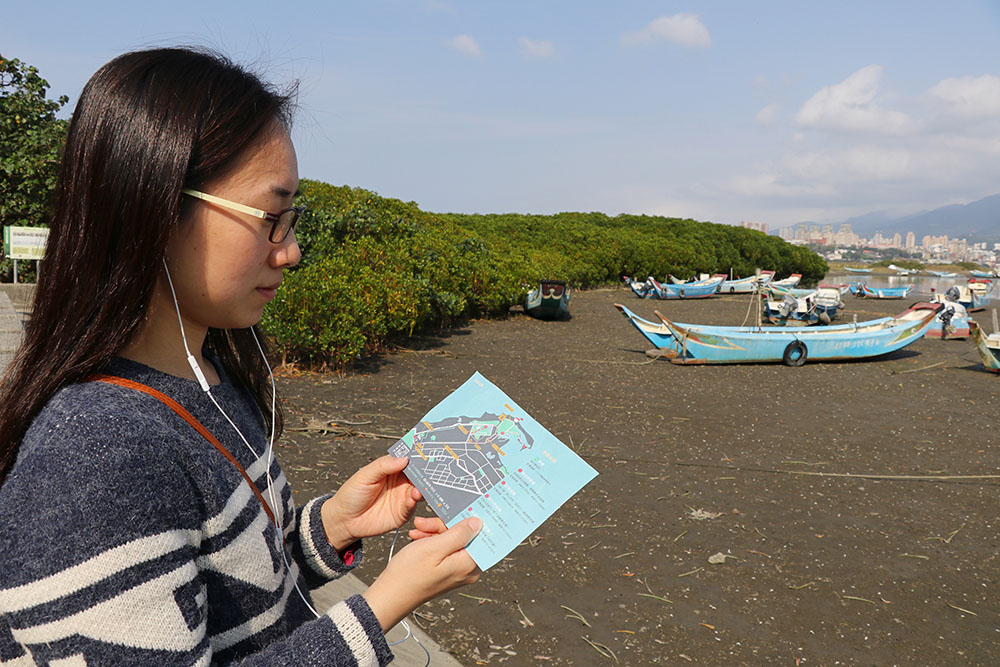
x: 322, y: 561
x: 110, y: 557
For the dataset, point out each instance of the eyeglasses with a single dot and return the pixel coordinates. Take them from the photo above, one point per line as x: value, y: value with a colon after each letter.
x: 282, y: 222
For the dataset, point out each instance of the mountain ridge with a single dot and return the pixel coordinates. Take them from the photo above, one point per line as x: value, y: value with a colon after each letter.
x: 978, y: 221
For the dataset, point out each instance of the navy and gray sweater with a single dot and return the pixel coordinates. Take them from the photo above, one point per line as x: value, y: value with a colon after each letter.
x: 126, y: 538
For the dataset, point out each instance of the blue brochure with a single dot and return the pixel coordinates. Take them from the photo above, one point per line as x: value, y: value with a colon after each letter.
x: 476, y: 453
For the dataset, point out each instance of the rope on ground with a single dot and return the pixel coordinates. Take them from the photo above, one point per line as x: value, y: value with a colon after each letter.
x: 851, y: 475
x: 914, y: 370
x: 585, y: 361
x: 775, y: 471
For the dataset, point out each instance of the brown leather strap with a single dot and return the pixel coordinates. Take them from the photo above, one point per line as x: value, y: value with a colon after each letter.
x: 190, y: 419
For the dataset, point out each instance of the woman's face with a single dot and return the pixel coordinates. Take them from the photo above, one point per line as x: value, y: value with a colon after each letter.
x: 223, y: 267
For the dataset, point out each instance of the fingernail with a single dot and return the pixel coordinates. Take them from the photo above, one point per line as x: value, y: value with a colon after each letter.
x: 476, y: 523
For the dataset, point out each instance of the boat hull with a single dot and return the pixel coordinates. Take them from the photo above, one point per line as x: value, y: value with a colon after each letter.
x: 990, y: 355
x: 883, y: 292
x: 685, y: 291
x: 696, y: 344
x: 548, y: 301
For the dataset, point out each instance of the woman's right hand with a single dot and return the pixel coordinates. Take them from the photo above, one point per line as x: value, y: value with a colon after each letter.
x: 423, y: 570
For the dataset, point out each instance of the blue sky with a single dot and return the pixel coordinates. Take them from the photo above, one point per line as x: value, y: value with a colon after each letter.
x: 723, y: 111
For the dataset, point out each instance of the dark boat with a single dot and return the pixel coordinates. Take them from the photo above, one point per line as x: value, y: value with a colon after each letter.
x: 548, y: 301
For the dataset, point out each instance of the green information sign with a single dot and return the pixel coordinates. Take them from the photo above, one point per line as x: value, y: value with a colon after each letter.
x: 25, y: 242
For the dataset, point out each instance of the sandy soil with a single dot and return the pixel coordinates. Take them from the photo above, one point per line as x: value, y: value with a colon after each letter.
x: 750, y: 462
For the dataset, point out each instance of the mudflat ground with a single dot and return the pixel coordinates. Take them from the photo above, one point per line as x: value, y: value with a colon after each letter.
x: 759, y: 463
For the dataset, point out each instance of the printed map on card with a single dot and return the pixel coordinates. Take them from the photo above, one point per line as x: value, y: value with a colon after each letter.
x: 476, y: 453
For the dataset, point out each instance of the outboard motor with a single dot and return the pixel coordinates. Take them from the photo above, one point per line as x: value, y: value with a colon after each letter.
x: 953, y: 293
x: 788, y: 305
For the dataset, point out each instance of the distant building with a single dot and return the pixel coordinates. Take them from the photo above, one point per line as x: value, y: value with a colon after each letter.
x: 911, y: 240
x: 759, y: 226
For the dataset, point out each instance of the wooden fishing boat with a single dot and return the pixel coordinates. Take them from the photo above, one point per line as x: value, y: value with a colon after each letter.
x: 790, y: 310
x: 851, y: 269
x: 548, y: 301
x: 882, y: 292
x: 987, y: 344
x: 943, y: 274
x: 900, y: 271
x: 779, y: 291
x: 746, y: 285
x: 981, y: 274
x: 976, y: 295
x: 702, y: 344
x: 817, y: 306
x: 790, y: 281
x: 698, y: 290
x: 702, y: 277
x: 952, y: 322
x: 980, y: 290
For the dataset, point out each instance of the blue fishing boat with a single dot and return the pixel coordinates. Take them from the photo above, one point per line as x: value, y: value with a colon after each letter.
x: 988, y: 345
x: 701, y: 344
x: 803, y: 307
x: 952, y: 322
x: 981, y: 274
x: 746, y: 285
x: 900, y: 271
x: 790, y: 310
x: 943, y: 274
x: 643, y: 290
x: 701, y: 278
x: 882, y: 292
x: 980, y: 291
x: 975, y: 295
x: 851, y: 269
x: 698, y: 290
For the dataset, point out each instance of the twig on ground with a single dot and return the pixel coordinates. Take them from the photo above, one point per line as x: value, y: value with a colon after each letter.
x: 914, y: 370
x: 854, y: 597
x: 573, y: 613
x: 601, y: 648
x: 527, y: 621
x: 964, y: 611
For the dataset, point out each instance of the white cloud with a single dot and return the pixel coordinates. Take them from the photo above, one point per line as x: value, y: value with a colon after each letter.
x: 975, y: 96
x: 774, y: 184
x: 858, y: 163
x: 467, y: 45
x: 851, y: 105
x: 536, y: 49
x: 768, y: 115
x: 683, y: 29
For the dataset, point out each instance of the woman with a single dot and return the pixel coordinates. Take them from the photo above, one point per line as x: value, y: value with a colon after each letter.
x: 143, y: 519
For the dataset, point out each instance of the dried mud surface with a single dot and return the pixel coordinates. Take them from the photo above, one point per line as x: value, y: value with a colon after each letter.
x: 750, y: 461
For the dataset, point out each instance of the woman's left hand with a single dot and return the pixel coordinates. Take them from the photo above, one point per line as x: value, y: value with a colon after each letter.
x: 376, y: 499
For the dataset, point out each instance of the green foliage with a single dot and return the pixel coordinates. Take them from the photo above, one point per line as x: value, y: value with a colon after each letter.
x: 375, y: 268
x: 969, y: 266
x: 31, y: 140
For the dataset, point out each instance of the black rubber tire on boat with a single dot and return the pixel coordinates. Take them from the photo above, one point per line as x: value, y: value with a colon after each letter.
x: 732, y: 290
x: 795, y: 354
x: 682, y: 292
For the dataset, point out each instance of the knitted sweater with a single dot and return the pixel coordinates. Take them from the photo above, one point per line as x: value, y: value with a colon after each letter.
x: 126, y: 538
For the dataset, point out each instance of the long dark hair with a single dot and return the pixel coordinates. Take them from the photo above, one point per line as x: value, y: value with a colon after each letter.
x: 147, y: 124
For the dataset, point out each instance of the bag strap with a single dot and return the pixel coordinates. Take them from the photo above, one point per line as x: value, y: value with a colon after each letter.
x: 197, y: 425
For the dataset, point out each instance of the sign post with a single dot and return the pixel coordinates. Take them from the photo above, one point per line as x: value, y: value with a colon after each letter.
x: 24, y: 243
